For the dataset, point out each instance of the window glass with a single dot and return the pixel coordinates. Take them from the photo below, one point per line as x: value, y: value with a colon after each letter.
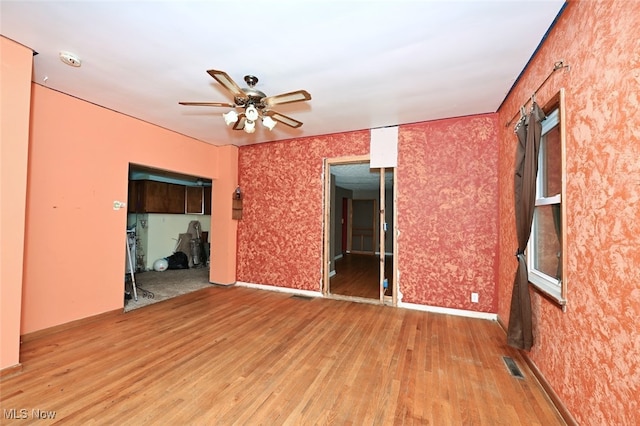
x: 547, y: 240
x: 551, y: 163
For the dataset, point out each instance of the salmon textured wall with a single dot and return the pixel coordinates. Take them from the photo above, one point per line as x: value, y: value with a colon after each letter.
x: 79, y: 157
x: 446, y: 169
x: 15, y: 94
x: 590, y: 354
x: 447, y: 212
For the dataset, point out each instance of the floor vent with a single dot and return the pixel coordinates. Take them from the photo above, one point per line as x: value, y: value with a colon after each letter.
x: 301, y: 297
x: 513, y: 367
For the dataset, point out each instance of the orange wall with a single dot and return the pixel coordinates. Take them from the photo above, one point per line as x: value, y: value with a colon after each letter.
x: 223, y: 235
x: 15, y: 92
x: 447, y: 212
x: 446, y: 169
x: 589, y: 354
x: 78, y: 165
x: 280, y: 234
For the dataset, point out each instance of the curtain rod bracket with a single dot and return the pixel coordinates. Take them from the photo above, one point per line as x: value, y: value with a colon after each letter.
x: 558, y: 65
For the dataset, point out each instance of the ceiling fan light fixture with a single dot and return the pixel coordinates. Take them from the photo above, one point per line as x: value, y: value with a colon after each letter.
x: 251, y: 113
x: 230, y: 117
x: 250, y: 126
x: 269, y: 122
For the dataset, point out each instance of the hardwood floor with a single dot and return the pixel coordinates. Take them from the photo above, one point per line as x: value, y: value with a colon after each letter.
x: 358, y: 275
x: 244, y: 356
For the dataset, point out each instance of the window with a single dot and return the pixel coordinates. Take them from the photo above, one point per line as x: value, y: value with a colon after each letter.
x: 545, y: 251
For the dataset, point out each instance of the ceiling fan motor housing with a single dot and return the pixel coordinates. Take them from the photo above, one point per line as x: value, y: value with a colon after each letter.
x: 254, y: 97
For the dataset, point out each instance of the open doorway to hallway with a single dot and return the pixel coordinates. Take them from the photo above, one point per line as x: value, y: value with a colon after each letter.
x: 359, y: 231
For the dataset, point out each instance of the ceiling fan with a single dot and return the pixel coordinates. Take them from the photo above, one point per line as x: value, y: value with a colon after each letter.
x: 256, y: 105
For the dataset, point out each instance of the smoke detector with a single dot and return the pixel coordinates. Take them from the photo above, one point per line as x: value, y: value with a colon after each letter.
x: 70, y: 59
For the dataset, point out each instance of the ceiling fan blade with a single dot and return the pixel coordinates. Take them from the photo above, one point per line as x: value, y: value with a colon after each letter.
x: 224, y: 79
x: 240, y: 122
x: 286, y: 98
x: 284, y: 119
x: 213, y: 104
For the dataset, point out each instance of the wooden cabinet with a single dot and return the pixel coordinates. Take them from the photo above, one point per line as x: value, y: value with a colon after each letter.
x: 195, y: 200
x: 149, y: 196
x: 207, y: 200
x: 132, y: 197
x: 175, y: 199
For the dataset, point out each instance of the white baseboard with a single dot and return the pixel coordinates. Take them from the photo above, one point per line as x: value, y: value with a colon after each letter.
x: 280, y: 289
x: 332, y: 273
x: 414, y: 306
x: 338, y: 257
x: 449, y: 311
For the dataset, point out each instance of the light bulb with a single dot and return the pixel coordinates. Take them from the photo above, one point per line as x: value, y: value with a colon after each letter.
x: 251, y: 113
x: 230, y: 118
x: 269, y: 122
x: 249, y: 126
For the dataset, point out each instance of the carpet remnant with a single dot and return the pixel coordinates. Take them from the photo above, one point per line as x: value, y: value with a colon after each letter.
x: 165, y: 285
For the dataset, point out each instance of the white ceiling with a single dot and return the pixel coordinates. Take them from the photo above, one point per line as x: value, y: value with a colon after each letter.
x: 367, y: 64
x: 360, y: 177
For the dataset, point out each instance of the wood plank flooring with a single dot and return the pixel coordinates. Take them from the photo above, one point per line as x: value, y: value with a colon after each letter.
x: 358, y: 275
x: 223, y: 356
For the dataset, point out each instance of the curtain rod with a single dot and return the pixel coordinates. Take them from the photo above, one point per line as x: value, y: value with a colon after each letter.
x: 556, y: 67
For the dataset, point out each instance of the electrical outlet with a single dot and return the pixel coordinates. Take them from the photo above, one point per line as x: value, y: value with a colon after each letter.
x: 474, y: 297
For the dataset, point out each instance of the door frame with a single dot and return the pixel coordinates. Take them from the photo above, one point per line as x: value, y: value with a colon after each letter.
x: 326, y: 252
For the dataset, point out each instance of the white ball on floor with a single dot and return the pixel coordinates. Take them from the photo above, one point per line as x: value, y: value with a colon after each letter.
x: 160, y: 265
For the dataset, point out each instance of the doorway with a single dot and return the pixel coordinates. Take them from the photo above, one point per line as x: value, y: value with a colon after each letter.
x: 359, y: 238
x: 168, y: 224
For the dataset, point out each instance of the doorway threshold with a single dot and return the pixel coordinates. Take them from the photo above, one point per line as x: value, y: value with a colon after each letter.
x: 354, y: 299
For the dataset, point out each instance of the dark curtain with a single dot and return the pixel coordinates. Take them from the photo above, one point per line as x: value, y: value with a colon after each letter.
x: 528, y: 131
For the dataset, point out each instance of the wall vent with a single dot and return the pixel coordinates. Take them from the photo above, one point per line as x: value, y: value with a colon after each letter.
x: 513, y: 367
x: 301, y: 297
